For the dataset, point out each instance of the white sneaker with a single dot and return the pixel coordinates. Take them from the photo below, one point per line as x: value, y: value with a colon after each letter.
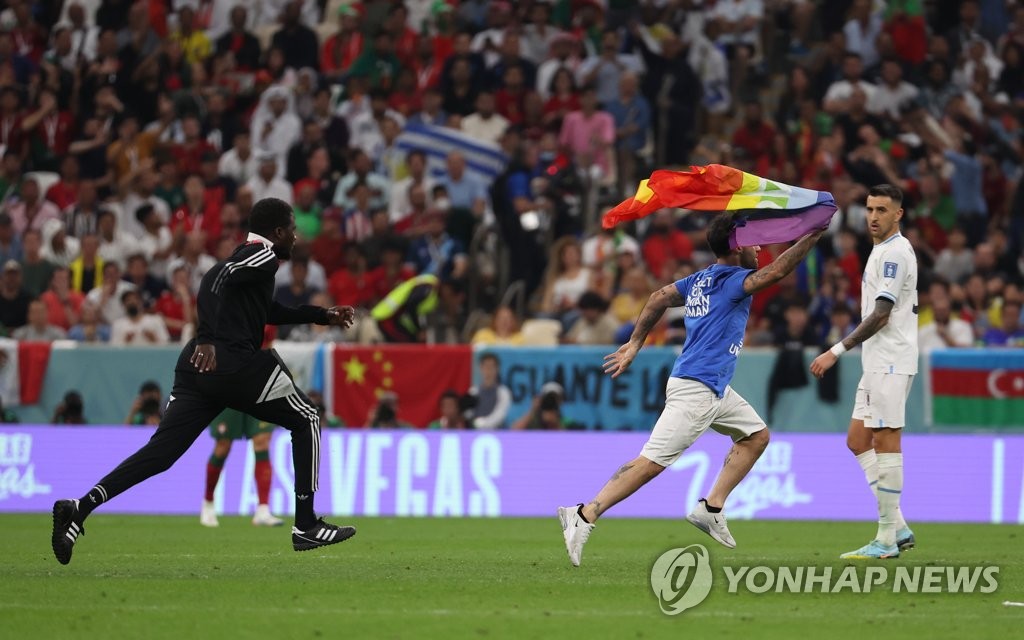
x: 575, y: 530
x: 712, y: 524
x: 208, y: 515
x: 263, y: 517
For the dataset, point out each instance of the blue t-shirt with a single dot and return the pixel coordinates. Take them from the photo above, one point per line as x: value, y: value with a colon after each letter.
x: 715, y: 314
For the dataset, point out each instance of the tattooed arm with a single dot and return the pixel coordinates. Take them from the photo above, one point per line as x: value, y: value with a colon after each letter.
x: 781, y: 266
x: 665, y: 297
x: 869, y: 326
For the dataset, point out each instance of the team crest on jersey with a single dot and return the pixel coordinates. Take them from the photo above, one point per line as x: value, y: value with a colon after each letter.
x: 889, y: 270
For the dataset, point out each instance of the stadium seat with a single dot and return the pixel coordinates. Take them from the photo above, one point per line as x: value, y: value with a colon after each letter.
x: 541, y: 332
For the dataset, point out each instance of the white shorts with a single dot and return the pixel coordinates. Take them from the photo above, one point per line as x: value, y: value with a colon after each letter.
x: 690, y: 408
x: 882, y: 399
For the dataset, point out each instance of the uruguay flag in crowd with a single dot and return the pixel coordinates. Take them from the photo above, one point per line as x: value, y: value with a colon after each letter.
x: 484, y: 161
x: 773, y: 211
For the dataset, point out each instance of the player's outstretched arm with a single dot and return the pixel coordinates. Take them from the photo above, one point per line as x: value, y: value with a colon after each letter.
x: 783, y: 265
x: 665, y: 297
x: 869, y: 326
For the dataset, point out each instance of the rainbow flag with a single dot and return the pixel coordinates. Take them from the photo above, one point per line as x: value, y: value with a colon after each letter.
x: 774, y: 211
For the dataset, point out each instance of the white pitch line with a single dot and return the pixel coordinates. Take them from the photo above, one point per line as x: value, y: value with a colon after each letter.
x: 1013, y: 604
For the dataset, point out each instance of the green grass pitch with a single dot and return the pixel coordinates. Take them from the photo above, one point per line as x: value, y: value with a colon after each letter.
x: 167, y: 577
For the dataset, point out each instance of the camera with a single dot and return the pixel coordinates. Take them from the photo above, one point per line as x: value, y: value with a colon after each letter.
x: 150, y: 406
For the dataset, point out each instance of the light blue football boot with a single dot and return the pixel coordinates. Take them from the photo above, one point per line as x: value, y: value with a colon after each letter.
x: 873, y: 550
x: 905, y: 539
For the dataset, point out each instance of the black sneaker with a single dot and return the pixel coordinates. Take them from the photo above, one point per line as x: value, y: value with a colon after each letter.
x: 320, y: 534
x: 66, y: 529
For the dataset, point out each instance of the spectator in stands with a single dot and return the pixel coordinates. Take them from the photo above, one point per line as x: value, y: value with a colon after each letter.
x: 36, y: 272
x: 485, y: 123
x: 361, y: 167
x: 563, y: 98
x: 138, y: 275
x: 384, y: 415
x: 107, y: 296
x: 492, y: 398
x: 545, y: 412
x: 945, y: 330
x: 90, y: 327
x: 436, y: 252
x: 837, y: 98
x: 594, y: 325
x: 1009, y: 333
x: 10, y: 243
x: 976, y: 305
x: 307, y: 209
x: 176, y: 305
x: 30, y: 210
x: 137, y: 327
x: 379, y: 64
x: 893, y: 93
x: 862, y: 30
x: 14, y: 300
x: 38, y: 328
x: 242, y: 44
x: 566, y: 279
x: 842, y: 323
x: 665, y: 245
x: 87, y: 268
x: 464, y: 190
x: 267, y: 183
x: 399, y: 202
x: 82, y: 217
x: 601, y: 253
x: 503, y: 331
x: 340, y: 51
x: 70, y: 410
x: 604, y: 72
x: 114, y: 245
x: 64, y: 192
x: 147, y: 407
x: 239, y: 163
x: 632, y: 116
x: 297, y: 41
x: 587, y: 135
x: 797, y: 329
x: 636, y: 288
x: 451, y: 412
x: 156, y: 241
x: 61, y: 301
x: 755, y: 135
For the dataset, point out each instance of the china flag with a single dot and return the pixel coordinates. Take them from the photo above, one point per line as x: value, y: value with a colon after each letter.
x: 418, y: 374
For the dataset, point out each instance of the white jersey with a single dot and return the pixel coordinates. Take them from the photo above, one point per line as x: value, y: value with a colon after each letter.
x: 891, y: 273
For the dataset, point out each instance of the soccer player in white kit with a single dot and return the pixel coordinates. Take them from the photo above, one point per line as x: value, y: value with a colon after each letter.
x: 888, y: 332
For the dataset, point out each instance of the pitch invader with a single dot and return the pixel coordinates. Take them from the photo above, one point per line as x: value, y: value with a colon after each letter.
x: 888, y: 332
x: 697, y: 395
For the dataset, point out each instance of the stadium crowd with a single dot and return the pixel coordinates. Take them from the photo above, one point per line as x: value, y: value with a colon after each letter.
x: 136, y: 136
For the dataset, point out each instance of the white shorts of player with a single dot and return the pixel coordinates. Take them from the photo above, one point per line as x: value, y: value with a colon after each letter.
x: 690, y: 408
x: 882, y: 399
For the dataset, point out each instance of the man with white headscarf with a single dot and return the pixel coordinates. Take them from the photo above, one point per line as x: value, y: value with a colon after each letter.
x: 59, y: 249
x: 275, y: 126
